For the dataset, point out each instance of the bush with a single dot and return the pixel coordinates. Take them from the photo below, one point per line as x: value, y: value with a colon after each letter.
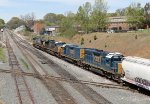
x: 26, y: 33
x: 95, y: 37
x: 136, y: 37
x: 90, y: 41
x: 82, y: 41
x: 68, y: 33
x: 105, y: 45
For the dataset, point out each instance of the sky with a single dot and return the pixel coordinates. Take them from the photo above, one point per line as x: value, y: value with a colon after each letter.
x: 15, y: 8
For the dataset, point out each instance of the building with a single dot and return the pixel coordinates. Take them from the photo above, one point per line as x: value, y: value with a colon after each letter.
x: 52, y: 30
x: 118, y: 23
x: 37, y: 28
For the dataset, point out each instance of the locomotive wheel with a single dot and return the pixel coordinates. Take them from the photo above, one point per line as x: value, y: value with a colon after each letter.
x: 113, y: 77
x: 79, y: 63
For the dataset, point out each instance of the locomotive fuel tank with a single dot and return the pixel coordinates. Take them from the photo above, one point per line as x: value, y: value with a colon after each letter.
x: 137, y: 71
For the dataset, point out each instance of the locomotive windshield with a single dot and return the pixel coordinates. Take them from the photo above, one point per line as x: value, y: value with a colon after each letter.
x: 118, y: 58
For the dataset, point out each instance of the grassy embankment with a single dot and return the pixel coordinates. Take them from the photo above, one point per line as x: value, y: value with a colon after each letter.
x: 129, y: 44
x: 134, y: 43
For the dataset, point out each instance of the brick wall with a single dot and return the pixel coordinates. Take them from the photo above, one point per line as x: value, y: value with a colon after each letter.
x: 123, y: 25
x: 118, y: 22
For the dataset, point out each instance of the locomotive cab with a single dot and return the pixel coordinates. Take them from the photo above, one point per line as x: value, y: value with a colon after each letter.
x: 112, y: 63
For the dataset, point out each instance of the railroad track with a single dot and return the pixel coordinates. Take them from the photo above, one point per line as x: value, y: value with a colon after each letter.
x: 23, y: 92
x: 38, y: 76
x: 92, y: 96
x: 53, y: 86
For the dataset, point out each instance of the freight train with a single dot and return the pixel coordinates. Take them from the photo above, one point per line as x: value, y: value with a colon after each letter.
x: 113, y: 65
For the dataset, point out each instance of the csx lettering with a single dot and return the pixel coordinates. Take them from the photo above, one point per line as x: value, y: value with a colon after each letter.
x: 96, y: 58
x: 71, y: 51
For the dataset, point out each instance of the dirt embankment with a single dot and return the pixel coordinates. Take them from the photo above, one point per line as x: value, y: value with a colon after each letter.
x: 134, y: 44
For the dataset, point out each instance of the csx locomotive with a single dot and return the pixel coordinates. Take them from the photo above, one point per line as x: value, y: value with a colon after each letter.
x: 114, y: 65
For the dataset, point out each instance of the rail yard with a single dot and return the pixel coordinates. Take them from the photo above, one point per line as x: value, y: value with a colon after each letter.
x: 31, y: 76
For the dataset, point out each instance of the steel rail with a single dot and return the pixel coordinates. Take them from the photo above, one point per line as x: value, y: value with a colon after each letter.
x: 98, y: 84
x: 55, y: 88
x: 20, y: 82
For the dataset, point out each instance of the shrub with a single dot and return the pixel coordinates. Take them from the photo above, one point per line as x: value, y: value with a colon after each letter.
x: 105, y: 45
x: 90, y: 41
x: 82, y: 41
x: 95, y: 37
x: 136, y: 37
x: 68, y: 33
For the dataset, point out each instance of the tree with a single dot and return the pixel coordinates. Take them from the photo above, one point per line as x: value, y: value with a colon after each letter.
x: 80, y: 15
x: 112, y: 14
x: 99, y: 15
x: 67, y: 25
x: 147, y: 9
x: 2, y: 23
x: 147, y: 14
x: 121, y: 12
x: 59, y: 17
x: 51, y: 19
x: 83, y: 16
x: 135, y: 15
x: 28, y: 20
x: 14, y: 22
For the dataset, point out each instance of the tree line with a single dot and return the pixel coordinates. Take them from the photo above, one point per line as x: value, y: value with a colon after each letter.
x: 87, y: 18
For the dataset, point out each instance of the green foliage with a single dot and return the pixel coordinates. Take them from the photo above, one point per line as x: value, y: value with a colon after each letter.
x: 147, y: 13
x: 99, y: 15
x: 2, y: 55
x: 136, y: 37
x: 121, y: 12
x: 112, y: 14
x: 14, y: 22
x: 95, y: 37
x: 67, y: 25
x: 147, y: 9
x: 24, y: 63
x: 52, y: 19
x: 2, y: 23
x: 92, y: 17
x: 135, y: 15
x: 82, y: 41
x: 26, y: 33
x: 145, y: 31
x: 83, y: 16
x: 68, y: 33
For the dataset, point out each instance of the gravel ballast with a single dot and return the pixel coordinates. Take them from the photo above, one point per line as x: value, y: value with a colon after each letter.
x: 39, y: 92
x: 116, y: 96
x: 8, y: 94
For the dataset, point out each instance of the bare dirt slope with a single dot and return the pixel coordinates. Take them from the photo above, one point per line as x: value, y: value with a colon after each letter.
x: 126, y: 43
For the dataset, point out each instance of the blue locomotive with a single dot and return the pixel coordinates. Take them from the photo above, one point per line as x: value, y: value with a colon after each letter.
x: 110, y: 64
x: 99, y: 61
